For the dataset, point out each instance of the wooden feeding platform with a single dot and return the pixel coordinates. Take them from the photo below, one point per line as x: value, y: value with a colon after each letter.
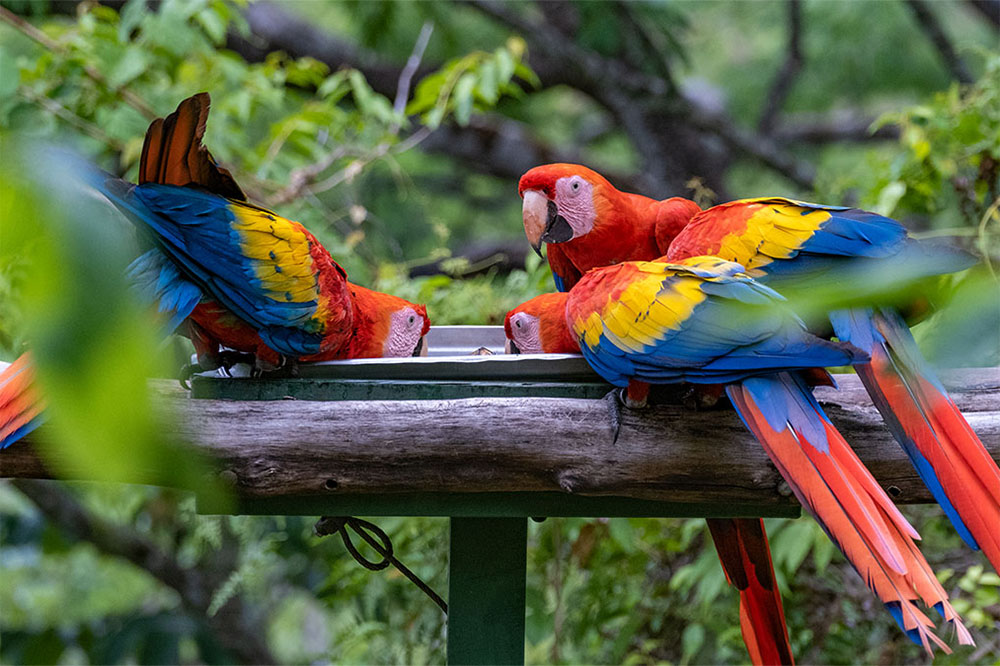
x: 490, y: 441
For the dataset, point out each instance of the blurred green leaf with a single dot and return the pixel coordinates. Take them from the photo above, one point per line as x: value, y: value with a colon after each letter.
x: 692, y: 640
x: 9, y: 73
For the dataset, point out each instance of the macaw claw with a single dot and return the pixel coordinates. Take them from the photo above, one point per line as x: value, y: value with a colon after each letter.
x: 700, y: 397
x: 287, y: 369
x: 224, y: 361
x: 615, y: 400
x: 187, y: 372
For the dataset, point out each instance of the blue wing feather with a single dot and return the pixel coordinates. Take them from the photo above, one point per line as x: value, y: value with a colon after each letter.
x: 856, y: 233
x: 158, y: 282
x: 195, y: 230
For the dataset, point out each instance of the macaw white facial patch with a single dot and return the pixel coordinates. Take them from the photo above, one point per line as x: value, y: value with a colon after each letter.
x: 405, y: 326
x: 575, y: 202
x: 524, y: 329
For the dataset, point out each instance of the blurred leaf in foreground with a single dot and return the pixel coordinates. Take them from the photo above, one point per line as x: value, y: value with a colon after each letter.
x: 94, y: 346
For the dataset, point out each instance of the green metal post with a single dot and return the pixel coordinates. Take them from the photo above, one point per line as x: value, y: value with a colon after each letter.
x: 486, y: 590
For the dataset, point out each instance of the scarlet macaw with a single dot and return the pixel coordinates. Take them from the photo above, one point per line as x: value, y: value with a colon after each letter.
x: 703, y: 320
x: 244, y: 277
x: 20, y: 405
x: 798, y: 246
x: 539, y: 326
x: 805, y: 248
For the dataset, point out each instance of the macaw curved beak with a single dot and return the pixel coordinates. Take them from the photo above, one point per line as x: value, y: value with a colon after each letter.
x: 510, y: 347
x: 535, y: 213
x: 542, y: 221
x: 421, y: 348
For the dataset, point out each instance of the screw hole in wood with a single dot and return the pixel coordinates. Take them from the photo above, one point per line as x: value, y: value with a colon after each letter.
x: 331, y: 484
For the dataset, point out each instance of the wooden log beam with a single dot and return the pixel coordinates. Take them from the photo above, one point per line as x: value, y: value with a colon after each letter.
x: 292, y: 448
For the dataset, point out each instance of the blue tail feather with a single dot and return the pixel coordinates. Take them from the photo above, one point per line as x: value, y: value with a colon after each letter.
x: 897, y: 614
x: 21, y: 432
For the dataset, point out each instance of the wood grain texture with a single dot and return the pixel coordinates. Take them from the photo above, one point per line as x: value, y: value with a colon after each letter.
x: 296, y: 448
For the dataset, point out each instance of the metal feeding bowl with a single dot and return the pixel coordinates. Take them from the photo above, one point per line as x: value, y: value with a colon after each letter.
x: 461, y: 362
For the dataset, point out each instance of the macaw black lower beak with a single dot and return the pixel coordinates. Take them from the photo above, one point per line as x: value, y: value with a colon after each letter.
x: 542, y: 221
x: 557, y: 229
x: 417, y: 351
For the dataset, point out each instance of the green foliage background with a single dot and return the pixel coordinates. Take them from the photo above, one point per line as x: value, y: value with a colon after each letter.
x: 599, y: 591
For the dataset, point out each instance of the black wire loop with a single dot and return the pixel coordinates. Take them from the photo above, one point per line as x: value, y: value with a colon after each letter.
x: 380, y: 542
x: 364, y: 529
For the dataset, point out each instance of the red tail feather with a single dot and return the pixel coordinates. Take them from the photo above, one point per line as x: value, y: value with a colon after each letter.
x: 857, y: 515
x: 746, y: 559
x: 929, y: 418
x: 172, y: 153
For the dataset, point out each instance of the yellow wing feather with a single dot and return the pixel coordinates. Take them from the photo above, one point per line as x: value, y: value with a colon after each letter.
x: 647, y: 307
x: 280, y: 250
x: 775, y: 230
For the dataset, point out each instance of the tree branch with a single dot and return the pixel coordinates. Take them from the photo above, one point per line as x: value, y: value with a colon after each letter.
x: 506, y: 148
x: 785, y: 78
x: 662, y: 124
x: 503, y: 148
x: 932, y: 28
x: 762, y: 149
x: 82, y: 124
x: 838, y: 127
x: 563, y: 15
x: 275, y: 29
x: 568, y: 62
x: 412, y: 63
x: 988, y: 10
x: 231, y: 624
x: 657, y: 118
x: 652, y: 41
x: 40, y: 37
x: 301, y: 450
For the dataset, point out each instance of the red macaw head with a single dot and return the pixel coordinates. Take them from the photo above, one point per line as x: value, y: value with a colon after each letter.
x: 387, y: 325
x: 539, y: 326
x: 562, y: 202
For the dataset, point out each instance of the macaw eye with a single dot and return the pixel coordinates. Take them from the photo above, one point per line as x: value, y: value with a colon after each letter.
x: 517, y: 323
x: 575, y: 185
x: 412, y: 319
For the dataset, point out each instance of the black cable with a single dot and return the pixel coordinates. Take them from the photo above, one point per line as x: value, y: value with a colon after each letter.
x: 380, y: 542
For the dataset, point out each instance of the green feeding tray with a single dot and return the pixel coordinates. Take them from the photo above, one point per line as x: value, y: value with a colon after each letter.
x: 452, y: 369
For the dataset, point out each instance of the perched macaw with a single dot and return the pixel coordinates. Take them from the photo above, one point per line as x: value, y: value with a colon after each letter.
x: 798, y: 247
x: 539, y: 326
x: 805, y: 249
x: 704, y: 320
x: 20, y: 405
x: 586, y: 222
x: 243, y: 277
